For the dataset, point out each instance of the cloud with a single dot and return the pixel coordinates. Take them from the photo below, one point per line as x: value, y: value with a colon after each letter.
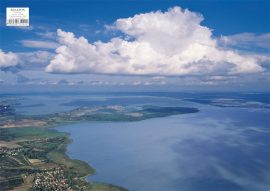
x: 22, y: 78
x: 247, y: 40
x: 34, y: 60
x: 39, y: 44
x: 24, y: 28
x: 47, y: 35
x: 62, y: 82
x: 13, y: 62
x: 158, y: 77
x: 136, y: 83
x: 147, y: 83
x: 8, y: 60
x: 155, y: 43
x: 221, y: 78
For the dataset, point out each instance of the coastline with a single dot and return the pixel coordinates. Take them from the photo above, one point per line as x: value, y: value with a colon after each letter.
x: 80, y: 166
x: 57, y: 157
x: 41, y: 149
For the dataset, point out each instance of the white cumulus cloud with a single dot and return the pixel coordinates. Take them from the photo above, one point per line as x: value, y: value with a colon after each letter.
x: 156, y: 43
x: 8, y: 59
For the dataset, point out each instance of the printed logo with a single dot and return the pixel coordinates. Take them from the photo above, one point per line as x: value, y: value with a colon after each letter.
x: 17, y: 16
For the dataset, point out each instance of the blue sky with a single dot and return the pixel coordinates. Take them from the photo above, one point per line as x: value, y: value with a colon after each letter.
x: 233, y: 38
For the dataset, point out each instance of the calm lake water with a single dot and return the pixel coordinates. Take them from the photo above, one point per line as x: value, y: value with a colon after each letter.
x: 217, y: 149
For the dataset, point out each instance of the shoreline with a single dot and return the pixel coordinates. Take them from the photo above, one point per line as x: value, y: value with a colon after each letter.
x: 58, y: 158
x: 39, y: 140
x: 83, y: 164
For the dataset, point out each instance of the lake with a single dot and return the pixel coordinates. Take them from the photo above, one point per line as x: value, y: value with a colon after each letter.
x: 216, y: 149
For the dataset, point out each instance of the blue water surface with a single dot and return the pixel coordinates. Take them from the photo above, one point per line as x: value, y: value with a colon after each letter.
x: 217, y: 149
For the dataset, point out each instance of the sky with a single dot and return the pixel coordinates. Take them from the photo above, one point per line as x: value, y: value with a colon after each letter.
x: 138, y: 45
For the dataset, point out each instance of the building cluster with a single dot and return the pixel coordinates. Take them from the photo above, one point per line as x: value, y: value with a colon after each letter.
x: 9, y: 151
x: 53, y: 179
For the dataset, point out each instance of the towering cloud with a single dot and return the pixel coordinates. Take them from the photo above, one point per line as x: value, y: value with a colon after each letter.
x: 155, y: 43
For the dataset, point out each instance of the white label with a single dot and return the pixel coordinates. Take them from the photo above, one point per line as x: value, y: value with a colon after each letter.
x: 17, y: 16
